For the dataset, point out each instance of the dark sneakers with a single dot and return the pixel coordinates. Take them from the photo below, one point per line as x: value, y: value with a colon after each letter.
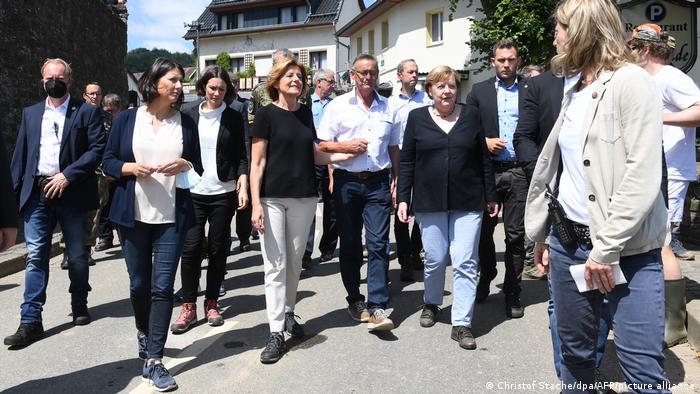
x: 159, y: 376
x: 463, y: 335
x: 406, y: 268
x: 482, y: 290
x: 26, y: 335
x: 514, y: 309
x: 306, y: 262
x: 104, y: 244
x: 291, y: 326
x: 326, y: 256
x: 429, y: 315
x: 142, y: 340
x: 81, y: 317
x: 274, y: 349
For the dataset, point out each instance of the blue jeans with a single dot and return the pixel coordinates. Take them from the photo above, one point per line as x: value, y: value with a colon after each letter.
x: 364, y: 201
x: 451, y: 236
x: 152, y: 252
x: 39, y: 221
x: 636, y: 309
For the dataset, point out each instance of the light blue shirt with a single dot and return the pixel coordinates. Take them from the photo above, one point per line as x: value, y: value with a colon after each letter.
x: 318, y: 106
x: 401, y: 105
x: 507, y: 97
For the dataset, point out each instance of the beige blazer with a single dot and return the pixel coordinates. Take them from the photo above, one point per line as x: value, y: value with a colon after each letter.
x: 622, y: 167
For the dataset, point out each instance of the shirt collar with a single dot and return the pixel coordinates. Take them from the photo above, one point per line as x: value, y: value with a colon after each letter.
x: 500, y: 83
x: 405, y: 97
x: 62, y: 108
x: 375, y: 98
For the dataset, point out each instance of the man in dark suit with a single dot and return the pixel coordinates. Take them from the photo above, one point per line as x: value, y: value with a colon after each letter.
x: 8, y: 208
x: 498, y: 101
x: 59, y: 145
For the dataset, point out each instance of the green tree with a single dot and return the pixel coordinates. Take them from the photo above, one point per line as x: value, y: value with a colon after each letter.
x: 223, y: 60
x: 138, y: 60
x: 527, y: 22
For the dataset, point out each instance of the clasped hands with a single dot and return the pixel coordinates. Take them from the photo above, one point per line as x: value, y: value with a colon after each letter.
x: 141, y: 170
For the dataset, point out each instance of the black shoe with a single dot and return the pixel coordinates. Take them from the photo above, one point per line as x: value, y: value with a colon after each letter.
x: 244, y: 247
x: 306, y: 262
x: 64, y: 262
x: 274, y: 349
x: 514, y: 309
x: 463, y: 335
x: 406, y: 268
x: 417, y: 262
x: 104, y: 244
x: 26, y: 335
x: 291, y: 326
x: 482, y: 290
x: 81, y: 317
x: 254, y: 235
x: 326, y: 256
x: 90, y: 260
x: 429, y: 315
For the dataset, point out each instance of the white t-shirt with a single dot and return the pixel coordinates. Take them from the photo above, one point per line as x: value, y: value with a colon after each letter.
x: 155, y: 194
x: 209, y: 124
x: 678, y: 92
x: 572, y: 185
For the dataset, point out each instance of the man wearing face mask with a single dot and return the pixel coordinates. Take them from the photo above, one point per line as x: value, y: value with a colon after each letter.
x: 59, y: 146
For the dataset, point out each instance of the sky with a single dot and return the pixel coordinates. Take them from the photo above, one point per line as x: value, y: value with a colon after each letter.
x: 159, y: 23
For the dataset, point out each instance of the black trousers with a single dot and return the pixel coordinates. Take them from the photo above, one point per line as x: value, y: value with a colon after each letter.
x: 218, y: 210
x: 329, y: 239
x: 105, y: 227
x: 243, y: 225
x: 512, y: 187
x: 407, y: 244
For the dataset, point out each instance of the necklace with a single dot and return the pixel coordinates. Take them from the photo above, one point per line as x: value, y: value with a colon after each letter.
x: 437, y: 112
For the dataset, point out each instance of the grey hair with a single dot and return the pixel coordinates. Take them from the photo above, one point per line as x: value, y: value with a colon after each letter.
x: 112, y: 99
x: 281, y: 53
x: 322, y: 73
x: 399, y: 68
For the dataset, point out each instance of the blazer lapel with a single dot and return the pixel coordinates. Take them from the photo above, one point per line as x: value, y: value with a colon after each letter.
x: 34, y: 133
x: 71, y: 112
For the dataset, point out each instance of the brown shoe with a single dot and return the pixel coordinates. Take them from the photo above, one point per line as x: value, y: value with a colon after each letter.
x: 379, y: 321
x: 463, y: 335
x: 429, y: 315
x: 358, y: 311
x: 531, y: 272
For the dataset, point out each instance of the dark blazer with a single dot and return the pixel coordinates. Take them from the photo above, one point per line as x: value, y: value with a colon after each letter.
x: 119, y: 151
x: 81, y: 150
x: 540, y: 108
x: 8, y: 208
x: 231, y: 157
x: 242, y: 106
x: 445, y: 171
x: 484, y: 97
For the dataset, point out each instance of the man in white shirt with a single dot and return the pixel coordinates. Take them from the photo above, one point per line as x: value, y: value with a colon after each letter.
x: 55, y: 184
x: 361, y: 122
x: 408, y: 248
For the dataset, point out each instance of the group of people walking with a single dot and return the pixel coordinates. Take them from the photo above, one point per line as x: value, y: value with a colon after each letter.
x: 570, y: 157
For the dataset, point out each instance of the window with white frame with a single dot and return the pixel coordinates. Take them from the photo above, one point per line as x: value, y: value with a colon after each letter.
x: 318, y: 60
x: 434, y: 26
x: 237, y: 64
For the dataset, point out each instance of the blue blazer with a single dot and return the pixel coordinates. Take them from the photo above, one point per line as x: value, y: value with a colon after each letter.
x: 80, y: 154
x: 119, y: 150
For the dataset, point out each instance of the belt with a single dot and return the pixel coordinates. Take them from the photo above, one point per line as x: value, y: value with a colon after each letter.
x: 505, y: 165
x: 39, y: 179
x: 582, y: 231
x: 363, y: 174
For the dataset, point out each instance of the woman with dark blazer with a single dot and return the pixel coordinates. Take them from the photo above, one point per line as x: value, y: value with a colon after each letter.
x: 222, y: 189
x: 150, y: 151
x: 446, y: 177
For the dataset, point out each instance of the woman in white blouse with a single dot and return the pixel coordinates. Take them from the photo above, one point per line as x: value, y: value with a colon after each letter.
x: 150, y: 150
x: 222, y: 190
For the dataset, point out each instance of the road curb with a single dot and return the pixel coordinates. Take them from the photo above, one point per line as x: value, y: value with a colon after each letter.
x: 14, y: 259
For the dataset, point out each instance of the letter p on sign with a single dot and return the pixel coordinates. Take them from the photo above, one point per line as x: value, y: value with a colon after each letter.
x: 655, y: 12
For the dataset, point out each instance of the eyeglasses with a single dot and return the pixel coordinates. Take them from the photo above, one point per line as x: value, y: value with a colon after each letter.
x: 330, y: 81
x: 366, y: 73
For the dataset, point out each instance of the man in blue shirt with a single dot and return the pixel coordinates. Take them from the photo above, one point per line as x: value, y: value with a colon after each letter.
x: 408, y: 248
x: 497, y: 100
x: 324, y: 83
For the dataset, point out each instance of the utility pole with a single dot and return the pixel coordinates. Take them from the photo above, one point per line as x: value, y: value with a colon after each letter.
x: 197, y: 27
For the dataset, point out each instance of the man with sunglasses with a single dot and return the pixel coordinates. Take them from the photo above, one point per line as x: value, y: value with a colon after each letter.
x: 324, y: 85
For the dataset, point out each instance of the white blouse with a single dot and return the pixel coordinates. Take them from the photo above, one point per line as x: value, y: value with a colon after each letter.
x: 155, y: 194
x: 209, y: 124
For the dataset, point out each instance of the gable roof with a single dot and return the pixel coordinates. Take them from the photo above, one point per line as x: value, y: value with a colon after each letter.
x: 366, y: 17
x: 323, y: 12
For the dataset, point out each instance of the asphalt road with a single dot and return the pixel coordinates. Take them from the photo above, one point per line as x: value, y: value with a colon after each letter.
x: 337, y: 355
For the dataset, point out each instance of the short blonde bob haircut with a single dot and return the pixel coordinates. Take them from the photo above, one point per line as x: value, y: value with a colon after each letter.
x: 595, y: 37
x: 278, y: 71
x: 439, y: 74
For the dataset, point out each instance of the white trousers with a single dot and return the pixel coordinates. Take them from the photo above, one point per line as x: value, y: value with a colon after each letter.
x: 677, y: 189
x: 287, y: 222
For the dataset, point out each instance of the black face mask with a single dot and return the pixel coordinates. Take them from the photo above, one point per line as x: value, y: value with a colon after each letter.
x: 55, y: 88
